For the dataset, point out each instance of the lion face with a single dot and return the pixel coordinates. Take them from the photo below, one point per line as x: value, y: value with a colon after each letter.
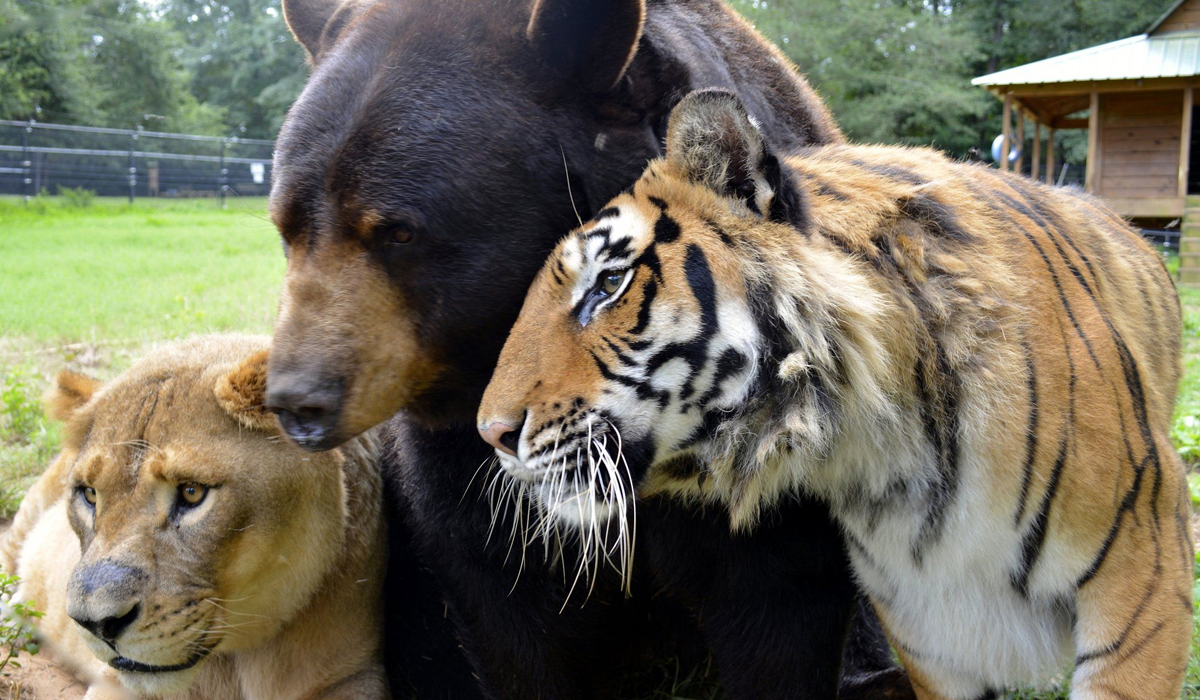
x: 201, y: 529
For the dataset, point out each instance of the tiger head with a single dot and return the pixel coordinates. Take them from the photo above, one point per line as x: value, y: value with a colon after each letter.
x: 638, y: 340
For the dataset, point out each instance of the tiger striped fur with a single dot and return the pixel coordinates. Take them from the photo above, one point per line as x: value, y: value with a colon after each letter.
x: 975, y: 371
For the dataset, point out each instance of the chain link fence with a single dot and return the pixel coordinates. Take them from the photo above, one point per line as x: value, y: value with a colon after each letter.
x: 36, y: 157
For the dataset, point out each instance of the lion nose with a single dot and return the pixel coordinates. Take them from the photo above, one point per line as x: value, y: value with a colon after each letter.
x: 308, y: 410
x: 109, y: 628
x: 103, y: 597
x: 502, y: 436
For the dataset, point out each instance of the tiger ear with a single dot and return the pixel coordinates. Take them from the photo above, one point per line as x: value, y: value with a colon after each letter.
x: 68, y: 394
x: 712, y: 140
x: 242, y: 393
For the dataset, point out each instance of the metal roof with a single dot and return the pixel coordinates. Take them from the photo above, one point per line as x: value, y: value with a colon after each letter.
x: 1171, y: 55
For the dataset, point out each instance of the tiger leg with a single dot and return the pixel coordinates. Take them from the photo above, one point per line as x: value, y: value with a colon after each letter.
x: 1134, y: 611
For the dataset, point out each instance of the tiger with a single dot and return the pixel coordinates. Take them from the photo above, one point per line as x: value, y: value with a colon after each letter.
x: 976, y: 372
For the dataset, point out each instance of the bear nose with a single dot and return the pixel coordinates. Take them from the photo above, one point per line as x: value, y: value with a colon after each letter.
x: 308, y: 410
x: 502, y: 436
x: 109, y: 628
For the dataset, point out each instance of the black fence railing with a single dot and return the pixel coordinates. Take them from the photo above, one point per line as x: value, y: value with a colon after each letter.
x: 36, y: 157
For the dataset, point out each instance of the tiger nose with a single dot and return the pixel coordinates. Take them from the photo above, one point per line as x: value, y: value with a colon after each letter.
x: 502, y: 436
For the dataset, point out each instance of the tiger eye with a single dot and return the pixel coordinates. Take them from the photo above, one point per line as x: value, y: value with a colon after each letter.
x: 192, y: 494
x: 612, y: 281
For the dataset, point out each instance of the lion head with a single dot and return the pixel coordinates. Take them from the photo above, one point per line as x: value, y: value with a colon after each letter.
x: 202, y: 531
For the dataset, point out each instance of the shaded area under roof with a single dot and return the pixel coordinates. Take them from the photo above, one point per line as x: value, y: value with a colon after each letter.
x: 1167, y: 56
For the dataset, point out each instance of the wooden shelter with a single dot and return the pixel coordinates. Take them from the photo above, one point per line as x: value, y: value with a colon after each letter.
x: 1137, y: 96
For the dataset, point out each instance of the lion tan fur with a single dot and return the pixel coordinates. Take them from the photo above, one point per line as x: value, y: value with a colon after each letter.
x: 270, y: 583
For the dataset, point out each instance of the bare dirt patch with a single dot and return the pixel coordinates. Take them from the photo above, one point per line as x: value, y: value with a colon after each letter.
x: 40, y: 679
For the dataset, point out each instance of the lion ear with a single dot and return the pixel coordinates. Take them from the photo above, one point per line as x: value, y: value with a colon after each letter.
x: 68, y: 394
x: 242, y: 394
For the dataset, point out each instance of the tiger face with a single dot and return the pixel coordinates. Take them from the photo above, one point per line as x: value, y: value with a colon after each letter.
x: 636, y: 339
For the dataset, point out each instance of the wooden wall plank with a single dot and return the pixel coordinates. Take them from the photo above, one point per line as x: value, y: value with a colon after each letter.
x: 1186, y: 17
x: 1136, y: 181
x: 1006, y: 131
x: 1165, y: 158
x: 1134, y: 133
x: 1120, y: 120
x: 1185, y: 143
x: 1156, y: 103
x: 1091, y: 177
x: 1133, y: 145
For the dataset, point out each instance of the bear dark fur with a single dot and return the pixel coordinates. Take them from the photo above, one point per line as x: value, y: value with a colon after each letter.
x: 445, y: 146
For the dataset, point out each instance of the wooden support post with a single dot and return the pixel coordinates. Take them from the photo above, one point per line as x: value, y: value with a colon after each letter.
x: 1189, y: 239
x: 1185, y: 141
x: 1020, y: 143
x: 1036, y: 165
x: 1050, y: 176
x: 1092, y: 179
x: 1006, y: 132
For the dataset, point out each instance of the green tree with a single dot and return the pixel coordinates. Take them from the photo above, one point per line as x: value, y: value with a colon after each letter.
x: 97, y: 62
x: 24, y: 76
x: 892, y: 71
x: 899, y: 71
x: 241, y: 58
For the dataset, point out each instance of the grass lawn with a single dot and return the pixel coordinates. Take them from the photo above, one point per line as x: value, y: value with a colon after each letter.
x: 92, y: 288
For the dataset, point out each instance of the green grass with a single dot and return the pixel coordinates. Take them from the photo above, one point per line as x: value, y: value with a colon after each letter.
x: 153, y: 270
x: 91, y: 288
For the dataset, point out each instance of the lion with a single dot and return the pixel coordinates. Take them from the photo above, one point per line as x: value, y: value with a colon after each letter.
x: 179, y: 546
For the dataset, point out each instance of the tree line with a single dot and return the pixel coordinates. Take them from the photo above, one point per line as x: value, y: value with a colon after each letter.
x: 893, y: 71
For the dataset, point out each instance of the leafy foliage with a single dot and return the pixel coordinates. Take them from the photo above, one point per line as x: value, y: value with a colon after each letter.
x: 78, y: 197
x: 97, y: 62
x: 899, y: 71
x: 240, y: 56
x: 894, y: 71
x: 16, y: 635
x: 20, y: 414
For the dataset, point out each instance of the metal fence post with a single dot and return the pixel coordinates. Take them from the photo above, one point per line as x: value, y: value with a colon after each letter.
x: 58, y: 162
x: 222, y: 179
x: 26, y: 160
x: 132, y: 166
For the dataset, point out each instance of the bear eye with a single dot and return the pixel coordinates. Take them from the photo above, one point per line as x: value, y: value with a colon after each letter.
x: 192, y: 494
x: 400, y: 236
x: 612, y: 281
x: 89, y: 495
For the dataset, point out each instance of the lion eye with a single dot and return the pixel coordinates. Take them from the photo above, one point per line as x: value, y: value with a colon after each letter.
x: 192, y: 494
x: 612, y: 281
x: 89, y: 495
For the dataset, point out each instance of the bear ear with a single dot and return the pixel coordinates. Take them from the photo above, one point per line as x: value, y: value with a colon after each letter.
x: 713, y: 141
x: 316, y: 24
x: 242, y: 394
x: 68, y: 394
x: 589, y: 42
